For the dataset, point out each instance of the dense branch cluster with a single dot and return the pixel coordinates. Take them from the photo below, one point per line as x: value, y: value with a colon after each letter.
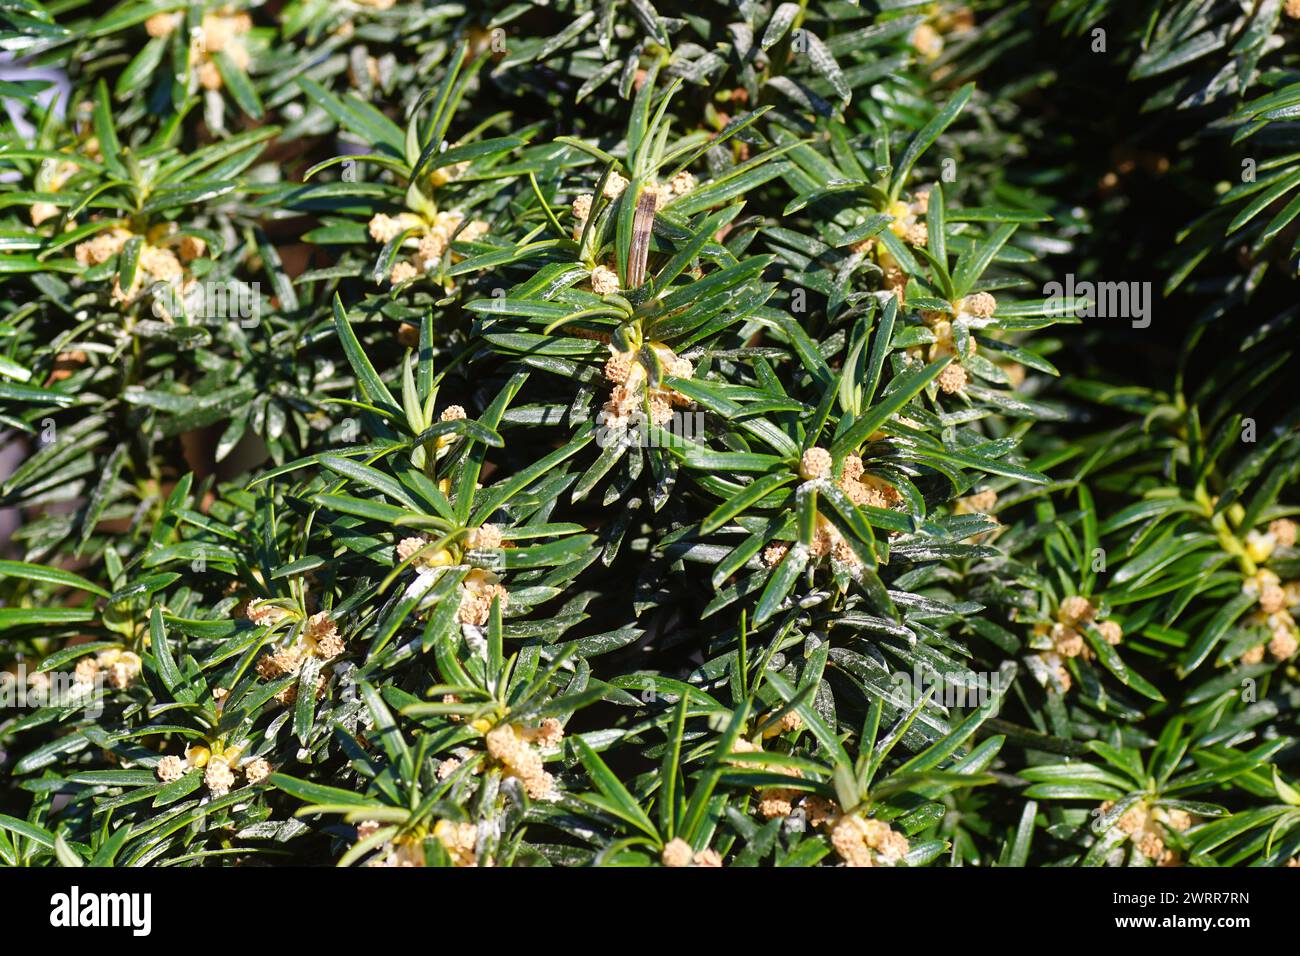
x: 642, y: 433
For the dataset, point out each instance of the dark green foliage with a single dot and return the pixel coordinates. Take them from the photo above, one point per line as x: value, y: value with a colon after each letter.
x: 630, y: 432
